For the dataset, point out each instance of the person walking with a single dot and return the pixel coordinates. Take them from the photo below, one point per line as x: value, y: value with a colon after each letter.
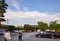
x: 4, y: 35
x: 7, y: 36
x: 20, y: 36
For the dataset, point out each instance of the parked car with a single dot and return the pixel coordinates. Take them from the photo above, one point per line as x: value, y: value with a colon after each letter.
x: 58, y: 33
x: 48, y: 34
x: 1, y: 32
x: 17, y: 31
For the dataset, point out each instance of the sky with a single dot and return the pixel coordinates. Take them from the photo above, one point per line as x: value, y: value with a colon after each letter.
x: 22, y: 12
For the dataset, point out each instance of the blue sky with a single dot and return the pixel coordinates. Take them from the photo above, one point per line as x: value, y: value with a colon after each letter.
x: 48, y: 6
x: 22, y: 12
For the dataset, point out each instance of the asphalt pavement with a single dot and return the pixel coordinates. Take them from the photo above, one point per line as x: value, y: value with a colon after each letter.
x: 29, y: 37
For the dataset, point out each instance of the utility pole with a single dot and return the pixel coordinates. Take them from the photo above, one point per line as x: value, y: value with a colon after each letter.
x: 7, y: 21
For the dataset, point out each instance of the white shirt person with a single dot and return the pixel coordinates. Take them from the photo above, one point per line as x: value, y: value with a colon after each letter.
x: 7, y: 36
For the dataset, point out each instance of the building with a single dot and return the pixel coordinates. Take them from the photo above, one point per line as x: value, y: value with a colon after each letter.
x: 34, y: 27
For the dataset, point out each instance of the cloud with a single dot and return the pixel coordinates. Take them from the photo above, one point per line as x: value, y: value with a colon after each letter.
x: 29, y: 17
x: 15, y: 4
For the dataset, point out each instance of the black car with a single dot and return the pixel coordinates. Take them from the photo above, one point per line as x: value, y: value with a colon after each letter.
x: 46, y: 34
x: 1, y: 32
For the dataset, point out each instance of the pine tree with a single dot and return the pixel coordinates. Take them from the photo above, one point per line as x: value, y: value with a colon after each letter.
x: 3, y: 7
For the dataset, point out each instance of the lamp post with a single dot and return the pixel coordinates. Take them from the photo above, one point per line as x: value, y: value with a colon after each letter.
x: 7, y: 21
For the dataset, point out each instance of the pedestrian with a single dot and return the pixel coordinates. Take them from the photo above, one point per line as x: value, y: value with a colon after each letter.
x: 20, y: 36
x: 4, y: 35
x: 7, y: 36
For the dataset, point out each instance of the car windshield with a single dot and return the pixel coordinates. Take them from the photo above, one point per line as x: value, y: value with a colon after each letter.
x: 45, y: 32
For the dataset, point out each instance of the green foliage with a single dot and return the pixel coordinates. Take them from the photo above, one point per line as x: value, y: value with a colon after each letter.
x: 43, y: 26
x: 27, y: 27
x: 54, y: 26
x: 57, y: 26
x: 10, y: 27
x: 19, y: 28
x: 3, y: 6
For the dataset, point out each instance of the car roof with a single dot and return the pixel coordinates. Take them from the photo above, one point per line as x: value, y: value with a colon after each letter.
x: 2, y: 30
x: 46, y: 31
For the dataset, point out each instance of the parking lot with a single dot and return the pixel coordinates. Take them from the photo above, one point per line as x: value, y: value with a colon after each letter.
x: 30, y: 37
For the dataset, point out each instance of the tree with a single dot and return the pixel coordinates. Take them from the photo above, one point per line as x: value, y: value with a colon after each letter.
x: 27, y: 27
x: 54, y: 25
x: 19, y: 28
x: 43, y: 26
x: 3, y: 7
x: 10, y: 27
x: 57, y: 27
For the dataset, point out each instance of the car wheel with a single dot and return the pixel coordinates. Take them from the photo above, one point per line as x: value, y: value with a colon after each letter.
x: 52, y: 37
x: 39, y: 36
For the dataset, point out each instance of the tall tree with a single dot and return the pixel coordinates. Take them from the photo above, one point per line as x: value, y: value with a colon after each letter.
x: 3, y: 7
x: 54, y: 25
x: 43, y: 26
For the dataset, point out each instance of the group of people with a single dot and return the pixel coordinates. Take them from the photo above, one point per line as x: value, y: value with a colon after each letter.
x: 7, y: 36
